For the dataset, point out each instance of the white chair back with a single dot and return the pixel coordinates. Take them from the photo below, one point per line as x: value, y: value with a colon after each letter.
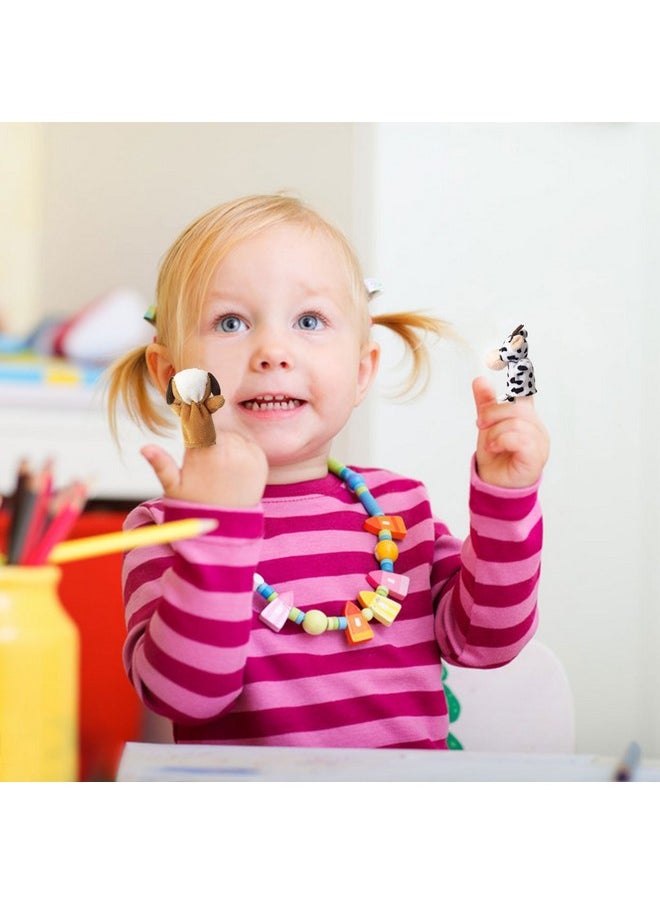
x: 523, y: 707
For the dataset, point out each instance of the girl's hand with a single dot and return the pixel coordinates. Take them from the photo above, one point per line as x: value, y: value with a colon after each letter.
x: 231, y: 474
x: 513, y: 444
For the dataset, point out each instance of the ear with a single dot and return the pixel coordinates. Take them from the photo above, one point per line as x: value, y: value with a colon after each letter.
x: 367, y: 370
x: 159, y: 363
x: 215, y: 386
x: 517, y: 342
x: 169, y: 395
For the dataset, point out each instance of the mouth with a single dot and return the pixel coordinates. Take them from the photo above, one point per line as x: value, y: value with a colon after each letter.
x: 272, y: 403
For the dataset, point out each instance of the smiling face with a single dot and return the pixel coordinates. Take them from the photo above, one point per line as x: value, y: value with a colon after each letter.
x: 280, y: 331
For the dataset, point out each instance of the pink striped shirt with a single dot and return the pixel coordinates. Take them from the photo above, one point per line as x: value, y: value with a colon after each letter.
x: 197, y: 652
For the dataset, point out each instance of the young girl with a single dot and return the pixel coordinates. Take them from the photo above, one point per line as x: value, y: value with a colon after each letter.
x: 294, y: 622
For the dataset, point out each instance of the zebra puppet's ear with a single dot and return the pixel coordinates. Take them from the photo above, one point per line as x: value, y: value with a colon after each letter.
x: 519, y: 331
x: 169, y: 395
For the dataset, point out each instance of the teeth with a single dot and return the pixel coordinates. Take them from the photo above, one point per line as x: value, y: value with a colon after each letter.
x: 272, y: 403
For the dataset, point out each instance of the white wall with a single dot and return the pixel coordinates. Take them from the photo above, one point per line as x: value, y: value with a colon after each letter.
x: 21, y: 195
x: 491, y: 225
x: 118, y: 194
x: 649, y: 549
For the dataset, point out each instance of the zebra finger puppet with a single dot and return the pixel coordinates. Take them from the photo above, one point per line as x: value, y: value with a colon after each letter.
x: 194, y: 395
x: 520, y: 381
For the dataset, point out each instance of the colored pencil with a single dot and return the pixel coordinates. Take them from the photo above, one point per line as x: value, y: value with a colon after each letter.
x: 627, y: 768
x: 25, y: 506
x: 120, y: 541
x: 44, y: 488
x: 16, y: 505
x: 69, y: 505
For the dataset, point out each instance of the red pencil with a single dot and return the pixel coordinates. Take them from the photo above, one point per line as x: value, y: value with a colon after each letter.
x: 71, y: 505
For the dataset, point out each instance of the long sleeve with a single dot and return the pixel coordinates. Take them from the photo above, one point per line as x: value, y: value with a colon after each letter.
x: 487, y: 589
x: 188, y: 610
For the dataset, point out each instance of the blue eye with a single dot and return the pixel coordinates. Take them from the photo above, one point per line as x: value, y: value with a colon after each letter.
x: 230, y: 324
x: 310, y: 322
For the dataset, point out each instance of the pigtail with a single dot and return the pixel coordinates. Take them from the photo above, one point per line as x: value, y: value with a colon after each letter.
x: 414, y: 329
x: 128, y: 384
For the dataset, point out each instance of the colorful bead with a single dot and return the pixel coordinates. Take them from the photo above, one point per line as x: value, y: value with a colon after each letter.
x: 377, y: 604
x: 354, y: 481
x: 385, y: 610
x: 263, y: 589
x: 357, y: 627
x: 393, y: 523
x: 397, y: 584
x: 386, y: 550
x: 315, y: 622
x: 277, y: 611
x: 369, y: 502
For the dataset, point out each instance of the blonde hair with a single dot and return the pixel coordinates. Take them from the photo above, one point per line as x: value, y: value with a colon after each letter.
x: 183, y: 282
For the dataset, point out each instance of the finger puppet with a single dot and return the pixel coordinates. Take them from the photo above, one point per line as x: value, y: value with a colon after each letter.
x: 512, y: 354
x: 194, y: 395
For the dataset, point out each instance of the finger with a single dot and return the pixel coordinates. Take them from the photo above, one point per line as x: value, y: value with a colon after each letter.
x: 493, y: 435
x: 528, y: 426
x: 494, y: 412
x: 513, y: 442
x: 483, y: 393
x: 528, y: 434
x: 164, y: 466
x: 524, y: 402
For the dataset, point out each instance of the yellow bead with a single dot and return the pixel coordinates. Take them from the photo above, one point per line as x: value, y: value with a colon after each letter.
x: 315, y: 622
x: 386, y: 549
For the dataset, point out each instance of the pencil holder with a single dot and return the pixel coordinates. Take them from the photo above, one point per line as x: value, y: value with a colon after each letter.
x: 39, y: 678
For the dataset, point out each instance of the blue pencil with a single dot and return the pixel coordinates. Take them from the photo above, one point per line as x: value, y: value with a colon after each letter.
x: 627, y: 768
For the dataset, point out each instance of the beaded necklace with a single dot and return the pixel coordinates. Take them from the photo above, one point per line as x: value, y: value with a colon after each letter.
x: 379, y: 604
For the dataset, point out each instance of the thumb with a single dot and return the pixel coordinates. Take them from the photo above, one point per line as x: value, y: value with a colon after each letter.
x: 483, y: 392
x: 164, y: 466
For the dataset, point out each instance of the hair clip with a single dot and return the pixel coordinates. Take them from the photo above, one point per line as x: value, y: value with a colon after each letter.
x: 373, y: 287
x: 150, y: 314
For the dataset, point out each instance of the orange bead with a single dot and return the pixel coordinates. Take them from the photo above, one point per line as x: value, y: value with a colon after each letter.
x: 357, y: 629
x: 393, y: 523
x: 386, y: 549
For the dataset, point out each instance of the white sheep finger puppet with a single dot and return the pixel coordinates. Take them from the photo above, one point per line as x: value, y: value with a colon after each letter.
x: 194, y: 395
x: 520, y: 380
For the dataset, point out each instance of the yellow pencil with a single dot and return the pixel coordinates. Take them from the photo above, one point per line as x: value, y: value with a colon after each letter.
x: 102, y: 544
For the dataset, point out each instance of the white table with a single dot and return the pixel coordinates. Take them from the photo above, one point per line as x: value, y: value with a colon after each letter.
x: 217, y: 763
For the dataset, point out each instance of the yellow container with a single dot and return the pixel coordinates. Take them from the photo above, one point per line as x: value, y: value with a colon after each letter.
x: 39, y: 678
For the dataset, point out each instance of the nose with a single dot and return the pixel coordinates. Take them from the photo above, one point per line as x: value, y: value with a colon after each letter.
x: 272, y: 353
